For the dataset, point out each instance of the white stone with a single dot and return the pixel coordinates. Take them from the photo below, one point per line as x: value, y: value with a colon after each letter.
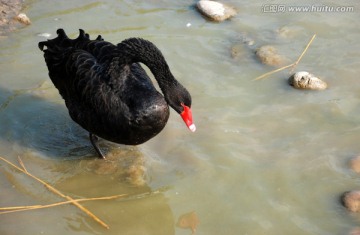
x: 305, y: 80
x: 212, y: 8
x: 23, y: 18
x: 215, y: 10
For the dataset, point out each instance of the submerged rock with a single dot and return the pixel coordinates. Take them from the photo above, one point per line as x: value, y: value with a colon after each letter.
x: 354, y: 164
x: 355, y: 231
x: 188, y: 221
x: 215, y: 10
x: 244, y: 46
x: 268, y: 55
x: 244, y: 38
x: 288, y: 31
x: 237, y: 51
x: 126, y: 164
x: 351, y: 200
x: 305, y: 80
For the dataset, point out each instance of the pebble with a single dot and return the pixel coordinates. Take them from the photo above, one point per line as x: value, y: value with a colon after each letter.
x: 23, y: 18
x: 355, y: 164
x: 351, y: 200
x: 305, y: 80
x: 215, y: 11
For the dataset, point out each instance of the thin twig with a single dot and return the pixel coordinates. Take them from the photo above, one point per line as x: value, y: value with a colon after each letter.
x: 303, y: 53
x: 54, y: 190
x: 33, y: 207
x: 6, y: 210
x: 274, y: 71
x: 287, y: 66
x: 22, y: 164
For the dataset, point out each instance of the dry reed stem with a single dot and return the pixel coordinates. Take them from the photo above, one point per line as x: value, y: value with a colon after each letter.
x: 287, y: 66
x: 6, y: 210
x: 54, y: 190
x: 22, y: 164
x: 306, y: 48
x: 274, y: 71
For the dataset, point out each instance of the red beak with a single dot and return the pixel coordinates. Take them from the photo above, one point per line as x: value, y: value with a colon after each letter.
x: 187, y: 117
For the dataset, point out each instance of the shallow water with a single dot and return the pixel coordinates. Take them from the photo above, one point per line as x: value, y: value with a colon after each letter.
x: 265, y: 159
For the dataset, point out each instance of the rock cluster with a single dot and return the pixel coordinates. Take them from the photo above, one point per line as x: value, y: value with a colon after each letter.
x: 351, y: 199
x: 10, y: 15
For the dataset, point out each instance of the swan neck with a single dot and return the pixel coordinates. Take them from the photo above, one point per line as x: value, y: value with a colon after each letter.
x: 137, y: 50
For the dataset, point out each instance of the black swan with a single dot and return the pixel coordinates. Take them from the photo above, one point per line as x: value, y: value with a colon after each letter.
x: 108, y: 93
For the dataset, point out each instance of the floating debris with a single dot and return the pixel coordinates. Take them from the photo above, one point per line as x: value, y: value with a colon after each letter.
x: 44, y: 35
x: 188, y: 221
x: 215, y: 11
x: 305, y: 80
x: 23, y: 18
x: 268, y: 55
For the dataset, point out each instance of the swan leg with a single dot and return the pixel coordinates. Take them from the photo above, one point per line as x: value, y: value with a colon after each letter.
x: 93, y: 140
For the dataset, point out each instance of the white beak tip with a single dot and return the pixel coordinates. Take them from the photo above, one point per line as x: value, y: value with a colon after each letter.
x: 192, y: 127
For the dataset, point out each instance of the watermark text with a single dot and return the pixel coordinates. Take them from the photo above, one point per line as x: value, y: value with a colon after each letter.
x: 282, y: 8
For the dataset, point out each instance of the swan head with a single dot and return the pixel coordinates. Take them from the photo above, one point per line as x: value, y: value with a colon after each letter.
x: 180, y: 100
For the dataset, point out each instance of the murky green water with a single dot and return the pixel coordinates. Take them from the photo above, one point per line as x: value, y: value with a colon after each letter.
x: 266, y: 158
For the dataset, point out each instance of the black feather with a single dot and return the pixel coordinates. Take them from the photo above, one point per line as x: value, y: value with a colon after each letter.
x: 105, y: 89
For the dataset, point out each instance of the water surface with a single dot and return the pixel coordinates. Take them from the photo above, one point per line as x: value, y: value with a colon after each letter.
x: 265, y: 159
